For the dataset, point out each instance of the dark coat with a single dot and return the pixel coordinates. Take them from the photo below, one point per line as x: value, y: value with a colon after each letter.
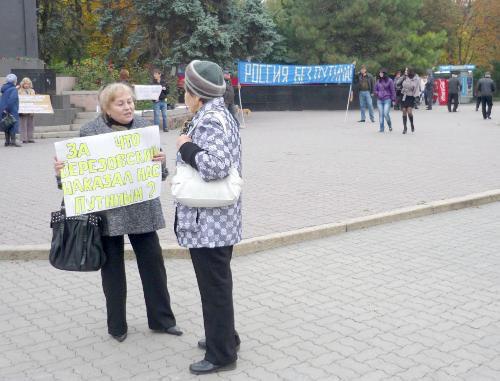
x: 454, y: 86
x: 10, y: 102
x: 164, y: 89
x: 370, y: 82
x: 229, y: 94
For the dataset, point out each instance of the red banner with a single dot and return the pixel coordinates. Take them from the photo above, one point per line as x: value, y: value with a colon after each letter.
x: 442, y: 90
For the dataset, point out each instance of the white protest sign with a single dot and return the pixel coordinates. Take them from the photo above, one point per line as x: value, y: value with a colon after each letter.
x: 109, y: 170
x: 35, y: 104
x: 147, y: 92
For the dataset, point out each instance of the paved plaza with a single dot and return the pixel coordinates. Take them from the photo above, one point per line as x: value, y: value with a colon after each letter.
x: 413, y: 300
x: 300, y: 169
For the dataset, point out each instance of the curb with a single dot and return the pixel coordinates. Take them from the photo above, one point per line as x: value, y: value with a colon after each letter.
x: 276, y: 240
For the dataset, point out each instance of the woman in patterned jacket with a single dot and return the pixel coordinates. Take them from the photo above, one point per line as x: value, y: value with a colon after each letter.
x: 211, y: 146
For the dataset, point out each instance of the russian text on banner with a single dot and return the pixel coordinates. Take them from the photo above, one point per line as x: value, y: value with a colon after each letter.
x: 109, y: 170
x: 250, y: 73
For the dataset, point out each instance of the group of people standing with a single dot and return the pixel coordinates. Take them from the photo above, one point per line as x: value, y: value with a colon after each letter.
x: 404, y: 90
x: 9, y: 104
x: 211, y: 145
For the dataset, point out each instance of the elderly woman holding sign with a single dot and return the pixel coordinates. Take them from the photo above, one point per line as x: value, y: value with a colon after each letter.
x: 212, y: 147
x: 139, y: 221
x: 26, y: 120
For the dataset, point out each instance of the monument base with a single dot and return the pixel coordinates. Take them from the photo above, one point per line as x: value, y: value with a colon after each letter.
x: 9, y: 64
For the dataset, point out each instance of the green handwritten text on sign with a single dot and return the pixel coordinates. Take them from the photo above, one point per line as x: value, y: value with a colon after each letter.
x: 110, y: 170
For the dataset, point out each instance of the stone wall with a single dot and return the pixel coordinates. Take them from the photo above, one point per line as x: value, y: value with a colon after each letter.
x: 87, y: 100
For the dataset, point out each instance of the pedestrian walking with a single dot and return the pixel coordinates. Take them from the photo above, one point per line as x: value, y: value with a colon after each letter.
x: 212, y: 146
x: 386, y: 94
x: 486, y: 87
x: 478, y: 99
x: 9, y: 103
x: 397, y: 104
x: 410, y: 88
x: 139, y: 221
x: 429, y: 90
x: 229, y: 94
x: 26, y: 124
x: 160, y: 105
x: 366, y: 86
x: 454, y: 88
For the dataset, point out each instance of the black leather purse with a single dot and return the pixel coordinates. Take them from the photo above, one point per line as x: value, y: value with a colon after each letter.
x: 76, y: 242
x: 7, y: 120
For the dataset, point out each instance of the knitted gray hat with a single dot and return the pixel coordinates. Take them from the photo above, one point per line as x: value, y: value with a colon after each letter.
x: 11, y: 78
x: 204, y: 79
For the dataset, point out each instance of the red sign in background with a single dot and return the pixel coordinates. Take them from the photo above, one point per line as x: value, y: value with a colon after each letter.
x: 442, y: 91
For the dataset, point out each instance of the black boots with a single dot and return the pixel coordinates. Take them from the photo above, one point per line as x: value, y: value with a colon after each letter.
x: 13, y: 140
x: 10, y: 140
x: 405, y: 121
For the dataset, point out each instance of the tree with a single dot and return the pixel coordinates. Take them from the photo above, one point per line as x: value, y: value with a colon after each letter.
x: 472, y: 29
x: 253, y: 31
x: 478, y: 32
x: 375, y: 32
x: 165, y: 32
x: 63, y: 29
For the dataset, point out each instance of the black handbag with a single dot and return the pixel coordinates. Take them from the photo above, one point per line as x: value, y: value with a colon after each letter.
x: 76, y: 242
x: 7, y: 121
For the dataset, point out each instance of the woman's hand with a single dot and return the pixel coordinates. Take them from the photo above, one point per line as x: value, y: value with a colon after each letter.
x: 160, y: 156
x: 58, y: 166
x: 181, y: 140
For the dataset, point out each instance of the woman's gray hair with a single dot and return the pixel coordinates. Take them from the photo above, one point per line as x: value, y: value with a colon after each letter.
x: 110, y: 92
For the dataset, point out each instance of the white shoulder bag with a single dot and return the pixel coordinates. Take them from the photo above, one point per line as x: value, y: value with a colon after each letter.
x: 189, y: 189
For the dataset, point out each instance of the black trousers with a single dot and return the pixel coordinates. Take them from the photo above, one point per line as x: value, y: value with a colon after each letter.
x: 478, y: 102
x: 453, y: 98
x: 486, y: 100
x: 215, y: 282
x: 429, y: 95
x: 153, y: 276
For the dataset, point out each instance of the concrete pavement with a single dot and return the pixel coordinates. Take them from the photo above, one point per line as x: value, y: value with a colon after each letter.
x: 413, y: 300
x: 301, y: 169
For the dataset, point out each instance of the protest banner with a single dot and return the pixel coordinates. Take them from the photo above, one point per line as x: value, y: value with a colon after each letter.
x: 35, y: 104
x: 147, y: 92
x: 109, y: 170
x: 250, y: 73
x: 261, y: 74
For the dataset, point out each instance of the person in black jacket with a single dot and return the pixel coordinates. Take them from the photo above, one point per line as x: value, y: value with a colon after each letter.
x: 229, y: 94
x: 160, y: 104
x: 454, y: 88
x: 429, y: 90
x: 486, y: 87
